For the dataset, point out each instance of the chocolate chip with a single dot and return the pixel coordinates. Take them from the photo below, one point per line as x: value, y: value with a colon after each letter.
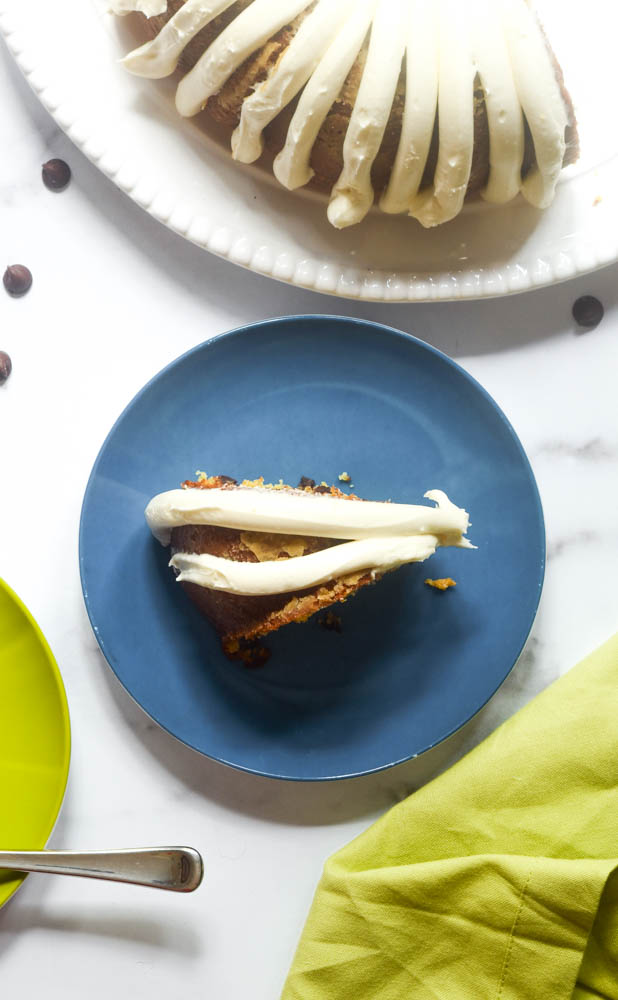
x: 227, y: 479
x: 588, y: 311
x: 321, y: 489
x: 6, y: 367
x: 56, y: 174
x: 17, y: 279
x: 306, y: 483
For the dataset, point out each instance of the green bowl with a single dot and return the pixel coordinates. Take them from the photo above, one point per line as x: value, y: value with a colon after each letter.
x: 35, y: 735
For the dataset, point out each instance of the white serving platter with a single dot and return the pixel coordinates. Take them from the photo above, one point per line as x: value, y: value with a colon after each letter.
x: 181, y: 172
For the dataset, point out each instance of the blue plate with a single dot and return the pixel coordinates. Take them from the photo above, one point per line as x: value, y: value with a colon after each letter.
x: 314, y: 396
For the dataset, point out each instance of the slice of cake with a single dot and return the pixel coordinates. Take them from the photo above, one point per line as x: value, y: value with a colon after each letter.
x: 254, y: 557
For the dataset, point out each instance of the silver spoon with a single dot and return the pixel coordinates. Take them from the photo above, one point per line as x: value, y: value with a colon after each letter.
x: 179, y: 869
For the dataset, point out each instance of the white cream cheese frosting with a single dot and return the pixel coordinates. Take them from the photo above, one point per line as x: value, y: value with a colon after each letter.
x: 291, y: 73
x: 374, y: 536
x: 419, y: 114
x: 444, y: 199
x: 253, y: 26
x: 376, y: 555
x: 292, y: 166
x: 447, y: 47
x: 504, y: 112
x: 159, y: 58
x: 352, y: 195
x: 540, y: 98
x: 299, y: 513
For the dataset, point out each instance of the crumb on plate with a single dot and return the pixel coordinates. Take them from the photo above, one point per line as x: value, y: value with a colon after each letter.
x: 331, y: 622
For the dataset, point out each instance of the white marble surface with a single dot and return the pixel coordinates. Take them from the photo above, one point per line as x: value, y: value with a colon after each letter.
x: 115, y: 298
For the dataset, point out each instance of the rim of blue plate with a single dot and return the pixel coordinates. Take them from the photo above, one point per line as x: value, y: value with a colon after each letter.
x: 351, y: 321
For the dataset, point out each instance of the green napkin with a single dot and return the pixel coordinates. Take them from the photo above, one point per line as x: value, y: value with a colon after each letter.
x: 498, y: 880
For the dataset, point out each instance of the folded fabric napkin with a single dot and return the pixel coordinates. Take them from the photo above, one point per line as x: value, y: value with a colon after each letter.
x: 496, y: 881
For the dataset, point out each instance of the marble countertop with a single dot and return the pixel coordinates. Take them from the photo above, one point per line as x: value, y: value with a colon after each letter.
x: 116, y: 297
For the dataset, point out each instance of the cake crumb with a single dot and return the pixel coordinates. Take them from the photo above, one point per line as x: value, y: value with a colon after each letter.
x: 442, y: 584
x: 250, y: 653
x: 597, y: 200
x: 344, y: 477
x: 200, y: 476
x: 331, y: 622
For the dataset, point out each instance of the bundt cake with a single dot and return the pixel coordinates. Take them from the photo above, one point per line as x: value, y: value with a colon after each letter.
x: 417, y: 104
x: 254, y: 557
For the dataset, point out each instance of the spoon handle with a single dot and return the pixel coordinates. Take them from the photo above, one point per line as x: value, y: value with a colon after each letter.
x: 178, y: 869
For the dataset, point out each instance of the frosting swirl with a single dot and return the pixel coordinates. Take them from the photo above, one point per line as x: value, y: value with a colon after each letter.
x: 375, y: 537
x: 376, y: 555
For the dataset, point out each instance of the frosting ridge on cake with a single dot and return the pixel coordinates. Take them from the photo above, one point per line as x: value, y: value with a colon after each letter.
x: 429, y: 58
x: 373, y: 536
x: 294, y: 512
